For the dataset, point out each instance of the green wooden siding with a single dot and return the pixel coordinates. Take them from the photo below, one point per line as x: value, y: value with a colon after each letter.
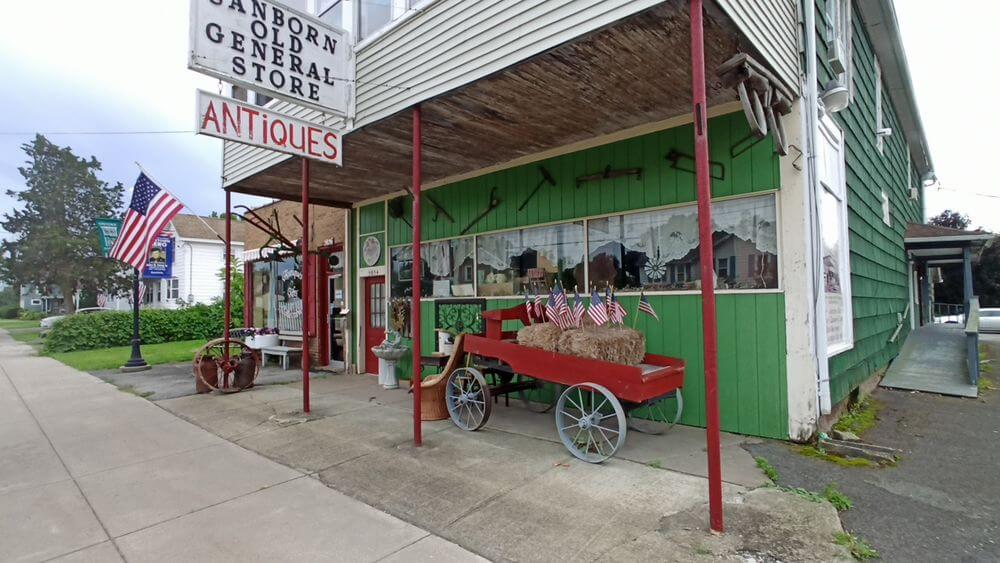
x: 878, y: 262
x: 752, y: 171
x: 752, y: 380
x: 751, y: 325
x: 372, y: 218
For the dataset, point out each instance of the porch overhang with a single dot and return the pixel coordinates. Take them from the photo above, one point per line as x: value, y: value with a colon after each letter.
x: 937, y: 246
x: 632, y: 73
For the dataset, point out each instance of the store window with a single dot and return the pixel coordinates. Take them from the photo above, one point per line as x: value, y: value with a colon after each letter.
x: 834, y: 234
x: 288, y: 295
x: 659, y: 251
x: 448, y: 269
x: 530, y: 260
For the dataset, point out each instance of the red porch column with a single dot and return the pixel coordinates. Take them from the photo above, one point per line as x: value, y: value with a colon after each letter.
x: 417, y: 270
x: 707, y: 257
x: 306, y: 286
x: 227, y: 286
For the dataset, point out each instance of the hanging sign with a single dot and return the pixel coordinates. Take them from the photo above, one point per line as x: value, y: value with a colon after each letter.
x: 107, y: 233
x: 273, y: 49
x: 233, y: 120
x: 160, y: 264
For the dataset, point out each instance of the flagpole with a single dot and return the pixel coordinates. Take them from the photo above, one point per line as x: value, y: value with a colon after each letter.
x: 136, y: 362
x: 635, y: 321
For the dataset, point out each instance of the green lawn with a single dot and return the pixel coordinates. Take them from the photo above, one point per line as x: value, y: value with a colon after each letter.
x: 17, y: 323
x: 111, y: 358
x: 27, y: 335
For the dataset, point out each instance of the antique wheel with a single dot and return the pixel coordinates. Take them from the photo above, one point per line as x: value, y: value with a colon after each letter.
x: 533, y: 399
x: 657, y: 419
x: 590, y: 421
x: 239, y: 374
x: 468, y: 398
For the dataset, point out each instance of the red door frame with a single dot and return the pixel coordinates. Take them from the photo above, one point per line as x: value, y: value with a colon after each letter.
x: 371, y: 363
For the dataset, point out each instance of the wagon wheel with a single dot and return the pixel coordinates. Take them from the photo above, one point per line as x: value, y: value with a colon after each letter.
x: 468, y: 398
x: 590, y: 421
x: 214, y: 351
x: 657, y: 419
x: 530, y: 397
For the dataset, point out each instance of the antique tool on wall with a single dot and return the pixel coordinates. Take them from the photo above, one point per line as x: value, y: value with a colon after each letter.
x: 546, y: 177
x: 438, y: 209
x: 272, y: 228
x: 396, y: 209
x: 608, y: 174
x: 493, y: 204
x: 685, y: 162
x: 763, y: 97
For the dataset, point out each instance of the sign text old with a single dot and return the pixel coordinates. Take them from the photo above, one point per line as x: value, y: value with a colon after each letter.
x: 238, y: 121
x: 272, y: 49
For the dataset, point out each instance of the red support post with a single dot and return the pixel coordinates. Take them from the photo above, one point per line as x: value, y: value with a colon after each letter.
x: 228, y: 287
x: 707, y: 257
x: 306, y: 286
x: 417, y: 269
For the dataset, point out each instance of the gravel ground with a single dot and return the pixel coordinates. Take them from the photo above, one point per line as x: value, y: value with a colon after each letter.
x: 942, y: 501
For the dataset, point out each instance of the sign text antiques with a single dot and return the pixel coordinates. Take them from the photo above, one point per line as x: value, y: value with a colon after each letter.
x: 234, y: 120
x: 272, y: 49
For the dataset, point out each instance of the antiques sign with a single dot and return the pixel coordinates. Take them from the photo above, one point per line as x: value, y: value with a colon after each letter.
x: 234, y: 120
x: 272, y: 49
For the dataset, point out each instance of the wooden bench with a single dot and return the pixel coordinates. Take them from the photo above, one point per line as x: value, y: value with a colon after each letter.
x: 282, y: 352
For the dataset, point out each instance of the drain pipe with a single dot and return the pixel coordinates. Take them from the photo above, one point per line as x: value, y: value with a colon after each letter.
x: 815, y: 246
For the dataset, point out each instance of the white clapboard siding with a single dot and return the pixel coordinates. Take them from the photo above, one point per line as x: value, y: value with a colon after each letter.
x: 197, y: 265
x: 455, y: 42
x: 771, y: 26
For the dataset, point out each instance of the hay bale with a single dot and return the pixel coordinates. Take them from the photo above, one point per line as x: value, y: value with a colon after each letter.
x: 619, y: 345
x: 540, y: 335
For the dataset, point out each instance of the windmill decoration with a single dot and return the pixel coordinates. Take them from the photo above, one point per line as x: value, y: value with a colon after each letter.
x: 656, y: 268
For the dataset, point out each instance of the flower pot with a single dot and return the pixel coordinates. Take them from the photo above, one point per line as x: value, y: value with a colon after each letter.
x: 261, y: 340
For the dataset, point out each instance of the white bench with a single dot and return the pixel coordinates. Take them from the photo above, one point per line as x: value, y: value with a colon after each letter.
x: 282, y: 352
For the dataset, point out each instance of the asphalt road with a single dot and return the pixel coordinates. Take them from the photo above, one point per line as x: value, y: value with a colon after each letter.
x: 942, y: 501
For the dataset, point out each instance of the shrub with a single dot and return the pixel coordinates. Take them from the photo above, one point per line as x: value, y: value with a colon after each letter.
x: 9, y: 312
x: 26, y: 315
x: 104, y: 330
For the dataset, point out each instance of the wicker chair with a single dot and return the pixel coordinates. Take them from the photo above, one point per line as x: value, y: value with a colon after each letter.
x: 432, y: 402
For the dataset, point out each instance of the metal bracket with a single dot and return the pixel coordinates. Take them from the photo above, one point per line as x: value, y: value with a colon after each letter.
x: 675, y: 157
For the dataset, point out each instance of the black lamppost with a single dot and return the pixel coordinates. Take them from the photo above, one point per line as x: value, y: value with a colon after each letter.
x: 135, y: 363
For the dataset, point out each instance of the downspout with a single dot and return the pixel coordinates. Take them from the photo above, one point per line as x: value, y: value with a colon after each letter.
x: 814, y: 250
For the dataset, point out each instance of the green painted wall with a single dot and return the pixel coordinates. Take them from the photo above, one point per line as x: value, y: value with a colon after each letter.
x: 878, y: 261
x: 754, y: 170
x: 751, y: 325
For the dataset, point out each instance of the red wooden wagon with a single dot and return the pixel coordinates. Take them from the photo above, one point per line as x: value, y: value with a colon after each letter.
x: 594, y: 410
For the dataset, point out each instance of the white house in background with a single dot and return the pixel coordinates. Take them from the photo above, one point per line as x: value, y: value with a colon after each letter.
x: 199, y: 254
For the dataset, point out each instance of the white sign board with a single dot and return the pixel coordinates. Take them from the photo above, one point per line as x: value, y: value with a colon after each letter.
x: 272, y: 49
x: 238, y: 121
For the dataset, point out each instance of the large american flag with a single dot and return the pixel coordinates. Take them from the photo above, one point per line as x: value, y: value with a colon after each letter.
x: 151, y: 209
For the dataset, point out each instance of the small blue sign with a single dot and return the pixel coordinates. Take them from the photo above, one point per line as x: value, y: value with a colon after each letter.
x: 160, y: 265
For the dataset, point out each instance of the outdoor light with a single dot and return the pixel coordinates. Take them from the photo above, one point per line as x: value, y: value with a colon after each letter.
x: 835, y: 97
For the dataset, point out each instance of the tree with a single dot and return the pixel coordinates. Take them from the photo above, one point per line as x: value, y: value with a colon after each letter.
x: 952, y: 219
x: 55, y: 242
x: 235, y: 291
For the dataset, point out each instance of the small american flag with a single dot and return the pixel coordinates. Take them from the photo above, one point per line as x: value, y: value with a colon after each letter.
x: 597, y: 311
x: 646, y: 307
x: 540, y: 307
x: 562, y: 306
x: 552, y: 311
x: 102, y: 299
x: 150, y: 210
x: 142, y: 293
x: 527, y: 306
x: 579, y: 309
x: 615, y: 310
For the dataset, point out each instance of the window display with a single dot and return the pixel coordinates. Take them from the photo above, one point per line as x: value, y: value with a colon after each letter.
x: 530, y: 260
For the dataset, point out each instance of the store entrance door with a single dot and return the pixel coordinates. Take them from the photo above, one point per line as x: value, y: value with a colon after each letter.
x: 374, y: 319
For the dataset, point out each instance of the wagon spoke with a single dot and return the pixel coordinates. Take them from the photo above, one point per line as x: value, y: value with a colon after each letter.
x: 593, y: 441
x: 606, y: 428
x: 604, y: 402
x: 569, y: 415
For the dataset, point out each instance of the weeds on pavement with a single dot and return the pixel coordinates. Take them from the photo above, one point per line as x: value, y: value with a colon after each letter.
x: 769, y: 471
x: 839, y: 500
x: 859, y: 549
x: 860, y: 417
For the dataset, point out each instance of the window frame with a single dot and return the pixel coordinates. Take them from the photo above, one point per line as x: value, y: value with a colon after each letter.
x: 886, y: 209
x: 173, y: 288
x: 773, y: 193
x: 839, y: 192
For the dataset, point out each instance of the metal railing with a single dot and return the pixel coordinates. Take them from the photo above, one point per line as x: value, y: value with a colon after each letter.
x: 972, y: 340
x: 949, y: 313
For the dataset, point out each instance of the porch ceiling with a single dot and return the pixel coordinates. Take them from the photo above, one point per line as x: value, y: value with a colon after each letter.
x: 634, y: 72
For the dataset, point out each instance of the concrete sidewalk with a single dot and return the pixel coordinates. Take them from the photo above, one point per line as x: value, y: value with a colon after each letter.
x: 89, y: 473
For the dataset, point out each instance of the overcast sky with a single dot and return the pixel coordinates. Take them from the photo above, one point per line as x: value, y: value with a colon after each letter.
x: 119, y: 65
